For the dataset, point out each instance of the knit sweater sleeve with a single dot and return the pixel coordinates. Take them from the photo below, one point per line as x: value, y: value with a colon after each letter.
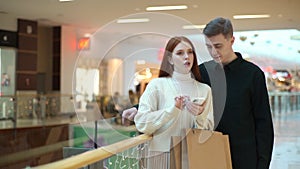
x: 150, y: 117
x: 206, y: 119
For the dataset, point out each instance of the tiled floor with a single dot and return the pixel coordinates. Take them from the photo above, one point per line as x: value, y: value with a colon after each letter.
x: 286, y: 152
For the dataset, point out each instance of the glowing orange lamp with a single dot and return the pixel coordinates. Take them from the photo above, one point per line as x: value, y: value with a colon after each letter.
x: 83, y: 44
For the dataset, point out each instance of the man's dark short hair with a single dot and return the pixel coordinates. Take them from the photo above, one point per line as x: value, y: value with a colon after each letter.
x: 219, y: 26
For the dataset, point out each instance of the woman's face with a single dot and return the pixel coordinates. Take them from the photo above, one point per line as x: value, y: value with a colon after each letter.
x: 182, y: 58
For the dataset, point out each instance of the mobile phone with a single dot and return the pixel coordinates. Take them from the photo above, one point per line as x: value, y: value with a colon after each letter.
x: 199, y: 100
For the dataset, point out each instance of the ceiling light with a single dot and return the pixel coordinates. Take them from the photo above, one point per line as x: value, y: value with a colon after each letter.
x: 138, y: 20
x: 251, y: 16
x: 87, y: 35
x: 163, y: 8
x: 140, y: 62
x: 193, y: 26
x: 65, y: 0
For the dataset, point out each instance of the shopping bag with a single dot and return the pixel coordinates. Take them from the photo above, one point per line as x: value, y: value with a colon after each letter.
x: 207, y: 149
x: 175, y: 152
x: 200, y: 149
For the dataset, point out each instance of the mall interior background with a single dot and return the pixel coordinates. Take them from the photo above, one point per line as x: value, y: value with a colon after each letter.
x: 53, y: 89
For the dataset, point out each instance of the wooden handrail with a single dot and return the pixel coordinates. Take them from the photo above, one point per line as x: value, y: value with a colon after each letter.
x: 35, y: 152
x: 99, y: 154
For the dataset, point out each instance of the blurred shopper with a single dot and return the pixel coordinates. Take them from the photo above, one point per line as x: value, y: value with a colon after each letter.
x: 133, y: 97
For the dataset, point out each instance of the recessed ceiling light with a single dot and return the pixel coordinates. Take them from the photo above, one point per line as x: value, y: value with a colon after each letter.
x: 251, y: 16
x: 65, y: 0
x: 140, y: 62
x: 163, y: 8
x: 136, y: 20
x: 193, y: 26
x: 87, y: 35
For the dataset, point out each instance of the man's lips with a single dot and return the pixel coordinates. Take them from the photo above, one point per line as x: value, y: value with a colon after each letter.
x: 216, y: 57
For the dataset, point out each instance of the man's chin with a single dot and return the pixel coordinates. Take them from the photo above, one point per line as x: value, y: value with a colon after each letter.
x: 218, y: 60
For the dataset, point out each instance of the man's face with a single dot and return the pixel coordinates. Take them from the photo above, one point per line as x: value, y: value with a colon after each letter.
x: 220, y: 48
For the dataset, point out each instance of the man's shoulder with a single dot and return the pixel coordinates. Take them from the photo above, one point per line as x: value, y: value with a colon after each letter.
x: 210, y: 62
x: 251, y: 66
x: 207, y: 64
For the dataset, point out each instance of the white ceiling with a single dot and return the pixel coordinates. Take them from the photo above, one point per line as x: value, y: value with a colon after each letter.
x: 96, y: 13
x: 100, y: 16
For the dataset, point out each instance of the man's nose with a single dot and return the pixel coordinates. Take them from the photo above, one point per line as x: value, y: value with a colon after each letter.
x: 214, y: 51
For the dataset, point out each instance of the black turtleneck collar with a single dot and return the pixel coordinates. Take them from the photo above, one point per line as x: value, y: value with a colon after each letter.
x: 233, y: 64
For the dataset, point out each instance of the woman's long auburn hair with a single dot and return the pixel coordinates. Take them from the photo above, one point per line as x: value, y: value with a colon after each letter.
x: 166, y: 69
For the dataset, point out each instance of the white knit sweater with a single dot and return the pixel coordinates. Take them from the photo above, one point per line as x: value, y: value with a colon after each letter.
x: 158, y: 115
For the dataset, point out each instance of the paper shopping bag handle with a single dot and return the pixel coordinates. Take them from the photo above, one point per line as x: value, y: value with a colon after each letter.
x: 204, y: 136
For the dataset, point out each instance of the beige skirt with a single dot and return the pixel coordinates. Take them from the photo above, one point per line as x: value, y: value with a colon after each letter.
x: 158, y: 160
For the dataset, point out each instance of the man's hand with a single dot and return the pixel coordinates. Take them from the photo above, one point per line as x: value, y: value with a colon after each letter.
x: 128, y: 115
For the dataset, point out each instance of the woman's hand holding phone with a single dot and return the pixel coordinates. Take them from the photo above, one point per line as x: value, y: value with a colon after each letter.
x: 196, y: 106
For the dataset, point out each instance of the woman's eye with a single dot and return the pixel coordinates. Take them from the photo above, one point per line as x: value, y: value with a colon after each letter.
x: 179, y: 53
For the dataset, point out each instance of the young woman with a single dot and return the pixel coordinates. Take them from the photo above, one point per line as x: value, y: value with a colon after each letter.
x: 173, y: 101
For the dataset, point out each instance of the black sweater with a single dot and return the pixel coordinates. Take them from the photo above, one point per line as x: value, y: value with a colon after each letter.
x: 242, y: 110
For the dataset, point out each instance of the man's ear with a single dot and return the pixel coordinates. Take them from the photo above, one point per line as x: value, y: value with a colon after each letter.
x: 232, y: 39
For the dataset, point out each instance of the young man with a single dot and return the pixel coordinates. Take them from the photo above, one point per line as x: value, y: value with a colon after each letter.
x: 240, y: 99
x: 246, y: 116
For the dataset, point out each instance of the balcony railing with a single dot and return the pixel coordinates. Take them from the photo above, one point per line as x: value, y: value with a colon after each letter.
x: 29, y: 106
x: 284, y: 102
x: 45, y: 107
x: 97, y: 155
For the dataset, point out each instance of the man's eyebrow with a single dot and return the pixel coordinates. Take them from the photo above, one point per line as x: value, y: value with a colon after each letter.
x: 217, y: 44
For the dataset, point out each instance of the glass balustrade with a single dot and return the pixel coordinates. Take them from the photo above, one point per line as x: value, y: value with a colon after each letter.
x: 45, y: 129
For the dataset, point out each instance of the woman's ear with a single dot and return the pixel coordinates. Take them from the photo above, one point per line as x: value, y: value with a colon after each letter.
x: 171, y: 60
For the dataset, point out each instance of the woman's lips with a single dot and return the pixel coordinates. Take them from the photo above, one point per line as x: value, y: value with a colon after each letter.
x: 187, y: 63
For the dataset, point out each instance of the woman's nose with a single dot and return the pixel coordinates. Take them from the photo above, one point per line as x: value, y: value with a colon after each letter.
x: 186, y: 55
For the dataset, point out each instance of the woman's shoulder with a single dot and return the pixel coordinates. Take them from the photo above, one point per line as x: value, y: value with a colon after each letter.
x: 158, y: 81
x: 202, y: 85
